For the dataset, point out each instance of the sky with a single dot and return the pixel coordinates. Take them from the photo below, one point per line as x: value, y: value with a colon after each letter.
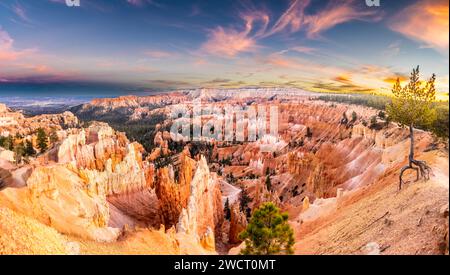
x: 124, y: 46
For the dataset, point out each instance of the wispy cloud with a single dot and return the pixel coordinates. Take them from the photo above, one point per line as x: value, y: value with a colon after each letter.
x: 392, y: 79
x: 282, y: 62
x: 325, y: 76
x: 335, y: 13
x: 292, y: 19
x: 7, y: 50
x: 304, y: 49
x: 392, y: 50
x: 343, y: 78
x: 97, y: 5
x: 425, y: 22
x: 140, y: 3
x: 195, y: 10
x: 20, y: 11
x: 25, y: 61
x: 159, y: 54
x: 136, y: 2
x: 231, y: 41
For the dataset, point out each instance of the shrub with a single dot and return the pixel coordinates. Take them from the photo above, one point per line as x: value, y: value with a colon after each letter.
x: 268, y: 232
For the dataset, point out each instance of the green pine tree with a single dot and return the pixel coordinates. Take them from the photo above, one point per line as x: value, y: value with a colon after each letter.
x: 244, y: 200
x: 29, y: 150
x: 354, y: 116
x: 19, y: 151
x: 7, y: 142
x: 227, y: 210
x: 42, y: 142
x: 268, y: 232
x: 412, y: 105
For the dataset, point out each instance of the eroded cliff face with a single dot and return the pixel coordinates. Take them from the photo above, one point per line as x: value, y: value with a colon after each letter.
x: 95, y: 183
x: 70, y: 193
x: 174, y: 193
x: 238, y: 223
x: 203, y: 215
x: 340, y: 155
x: 12, y: 123
x: 58, y: 197
x: 95, y: 187
x: 91, y: 148
x: 130, y: 108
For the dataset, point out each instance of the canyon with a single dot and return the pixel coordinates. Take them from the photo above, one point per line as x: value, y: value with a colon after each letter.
x: 333, y: 167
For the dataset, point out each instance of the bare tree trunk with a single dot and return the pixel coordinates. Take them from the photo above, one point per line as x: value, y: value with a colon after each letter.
x: 411, y: 147
x: 422, y: 169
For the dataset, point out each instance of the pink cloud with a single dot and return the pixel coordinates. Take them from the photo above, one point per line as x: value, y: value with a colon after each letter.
x: 291, y: 19
x: 200, y: 62
x: 425, y: 22
x: 254, y: 17
x: 282, y: 62
x: 7, y: 51
x: 158, y: 54
x: 303, y: 49
x: 229, y: 42
x: 36, y: 68
x: 334, y: 14
x: 363, y: 76
x: 143, y: 69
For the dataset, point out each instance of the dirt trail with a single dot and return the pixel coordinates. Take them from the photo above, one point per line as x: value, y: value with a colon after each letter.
x: 400, y: 222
